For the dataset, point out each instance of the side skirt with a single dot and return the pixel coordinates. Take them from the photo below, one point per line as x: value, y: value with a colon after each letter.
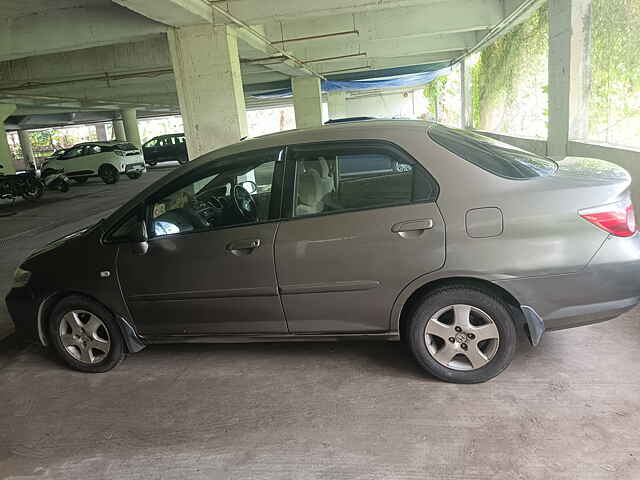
x: 262, y: 338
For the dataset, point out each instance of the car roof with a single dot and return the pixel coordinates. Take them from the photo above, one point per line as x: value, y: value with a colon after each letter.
x: 373, y: 128
x: 106, y: 143
x: 166, y: 135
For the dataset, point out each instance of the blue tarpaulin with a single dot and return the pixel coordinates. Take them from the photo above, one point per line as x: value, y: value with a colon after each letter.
x: 410, y: 80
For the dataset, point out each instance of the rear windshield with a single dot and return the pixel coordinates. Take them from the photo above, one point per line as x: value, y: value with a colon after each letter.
x: 491, y: 155
x: 125, y: 146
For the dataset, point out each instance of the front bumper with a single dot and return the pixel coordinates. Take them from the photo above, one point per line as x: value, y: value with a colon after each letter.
x: 23, y: 308
x: 606, y: 288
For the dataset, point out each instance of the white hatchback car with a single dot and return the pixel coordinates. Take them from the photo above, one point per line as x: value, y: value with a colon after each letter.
x: 106, y: 160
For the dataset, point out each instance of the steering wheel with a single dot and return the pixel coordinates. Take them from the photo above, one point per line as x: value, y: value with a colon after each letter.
x: 245, y: 203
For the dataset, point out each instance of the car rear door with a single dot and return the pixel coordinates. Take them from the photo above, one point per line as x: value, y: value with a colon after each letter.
x: 362, y: 224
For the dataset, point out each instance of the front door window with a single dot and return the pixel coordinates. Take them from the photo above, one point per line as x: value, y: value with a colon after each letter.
x: 219, y: 197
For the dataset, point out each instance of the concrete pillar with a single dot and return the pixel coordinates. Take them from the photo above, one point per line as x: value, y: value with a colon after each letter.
x: 307, y: 101
x: 131, y: 126
x: 6, y: 160
x: 101, y: 132
x: 27, y: 148
x: 207, y: 70
x: 118, y: 130
x: 337, y: 103
x: 568, y: 64
x: 466, y: 97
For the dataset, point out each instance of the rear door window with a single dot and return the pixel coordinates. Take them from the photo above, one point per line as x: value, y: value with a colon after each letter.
x: 350, y: 176
x: 491, y: 155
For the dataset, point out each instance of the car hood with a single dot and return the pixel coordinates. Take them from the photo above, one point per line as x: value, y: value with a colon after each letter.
x: 62, y: 240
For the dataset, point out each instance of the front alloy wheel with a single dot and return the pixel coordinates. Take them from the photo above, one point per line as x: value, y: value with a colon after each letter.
x: 84, y: 336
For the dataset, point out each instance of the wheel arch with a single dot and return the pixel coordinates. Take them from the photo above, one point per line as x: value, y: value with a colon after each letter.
x: 107, y: 165
x: 410, y: 297
x: 133, y: 341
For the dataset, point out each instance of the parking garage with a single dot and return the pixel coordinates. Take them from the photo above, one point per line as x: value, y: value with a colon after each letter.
x: 160, y: 84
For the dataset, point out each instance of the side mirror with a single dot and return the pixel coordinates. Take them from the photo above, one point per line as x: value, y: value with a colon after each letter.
x: 140, y: 238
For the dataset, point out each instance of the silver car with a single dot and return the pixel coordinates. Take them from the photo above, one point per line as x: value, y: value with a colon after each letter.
x: 450, y: 241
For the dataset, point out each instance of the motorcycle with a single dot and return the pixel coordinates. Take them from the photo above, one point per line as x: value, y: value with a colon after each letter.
x: 24, y: 184
x: 56, y: 180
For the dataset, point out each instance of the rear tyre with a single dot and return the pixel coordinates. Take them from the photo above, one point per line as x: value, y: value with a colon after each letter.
x: 109, y: 174
x: 462, y: 335
x: 134, y: 175
x: 33, y: 189
x: 85, y: 335
x: 80, y: 180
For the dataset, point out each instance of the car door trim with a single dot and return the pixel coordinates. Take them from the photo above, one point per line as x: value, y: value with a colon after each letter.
x: 197, y: 294
x: 350, y: 286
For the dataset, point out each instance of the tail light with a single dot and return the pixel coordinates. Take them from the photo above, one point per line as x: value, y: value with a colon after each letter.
x: 616, y: 218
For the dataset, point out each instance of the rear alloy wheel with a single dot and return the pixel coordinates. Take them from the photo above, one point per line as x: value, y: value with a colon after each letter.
x: 134, y: 175
x: 109, y: 174
x: 462, y: 335
x: 85, y: 335
x: 34, y: 189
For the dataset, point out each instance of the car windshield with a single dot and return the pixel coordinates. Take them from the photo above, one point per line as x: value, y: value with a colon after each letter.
x: 491, y: 155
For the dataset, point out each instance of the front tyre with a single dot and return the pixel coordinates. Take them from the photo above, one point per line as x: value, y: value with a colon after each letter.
x: 85, y: 335
x: 462, y: 335
x: 109, y: 174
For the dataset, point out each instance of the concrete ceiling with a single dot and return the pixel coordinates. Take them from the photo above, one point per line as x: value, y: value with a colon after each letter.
x: 99, y: 55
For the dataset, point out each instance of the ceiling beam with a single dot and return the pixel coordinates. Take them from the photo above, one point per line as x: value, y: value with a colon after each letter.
x: 261, y: 11
x: 411, y: 22
x: 176, y: 13
x: 69, y: 29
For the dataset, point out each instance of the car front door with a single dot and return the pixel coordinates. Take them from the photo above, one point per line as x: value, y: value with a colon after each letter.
x: 209, y: 268
x: 363, y: 223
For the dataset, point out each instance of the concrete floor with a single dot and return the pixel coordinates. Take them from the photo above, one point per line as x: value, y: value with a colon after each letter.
x: 568, y: 409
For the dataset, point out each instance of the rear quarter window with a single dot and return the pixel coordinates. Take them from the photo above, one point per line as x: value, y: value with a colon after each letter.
x: 491, y: 155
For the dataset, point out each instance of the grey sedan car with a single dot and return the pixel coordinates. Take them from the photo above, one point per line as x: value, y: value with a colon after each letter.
x: 447, y: 240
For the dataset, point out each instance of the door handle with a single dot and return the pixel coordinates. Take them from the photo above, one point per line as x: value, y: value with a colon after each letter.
x: 412, y: 228
x: 243, y: 247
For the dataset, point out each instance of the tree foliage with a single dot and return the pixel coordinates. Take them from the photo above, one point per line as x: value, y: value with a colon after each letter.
x: 502, y: 65
x: 614, y: 96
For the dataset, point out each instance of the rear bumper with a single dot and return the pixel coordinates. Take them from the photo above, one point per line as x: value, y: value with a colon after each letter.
x: 138, y: 167
x: 608, y: 286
